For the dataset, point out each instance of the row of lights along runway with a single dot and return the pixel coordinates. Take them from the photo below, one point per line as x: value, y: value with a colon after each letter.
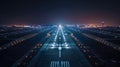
x: 96, y: 60
x: 23, y: 61
x: 19, y: 40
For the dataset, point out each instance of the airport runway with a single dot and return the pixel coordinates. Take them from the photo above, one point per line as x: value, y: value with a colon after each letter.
x: 64, y: 53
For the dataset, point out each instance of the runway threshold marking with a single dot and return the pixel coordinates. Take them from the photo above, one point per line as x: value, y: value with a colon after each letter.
x: 59, y: 64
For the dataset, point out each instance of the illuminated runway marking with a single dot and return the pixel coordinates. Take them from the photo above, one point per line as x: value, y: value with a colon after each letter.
x: 59, y: 64
x: 59, y: 48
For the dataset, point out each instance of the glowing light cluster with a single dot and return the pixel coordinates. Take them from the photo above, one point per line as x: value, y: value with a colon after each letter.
x: 60, y: 30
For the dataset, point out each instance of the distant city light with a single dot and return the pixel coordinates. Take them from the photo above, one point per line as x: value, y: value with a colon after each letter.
x: 27, y: 26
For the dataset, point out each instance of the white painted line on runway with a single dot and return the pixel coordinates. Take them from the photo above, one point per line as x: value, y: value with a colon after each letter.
x: 59, y: 64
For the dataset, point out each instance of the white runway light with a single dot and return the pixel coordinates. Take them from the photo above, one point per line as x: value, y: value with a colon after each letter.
x: 60, y: 26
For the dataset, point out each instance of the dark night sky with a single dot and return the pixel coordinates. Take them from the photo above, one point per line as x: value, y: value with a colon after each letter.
x: 59, y: 11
